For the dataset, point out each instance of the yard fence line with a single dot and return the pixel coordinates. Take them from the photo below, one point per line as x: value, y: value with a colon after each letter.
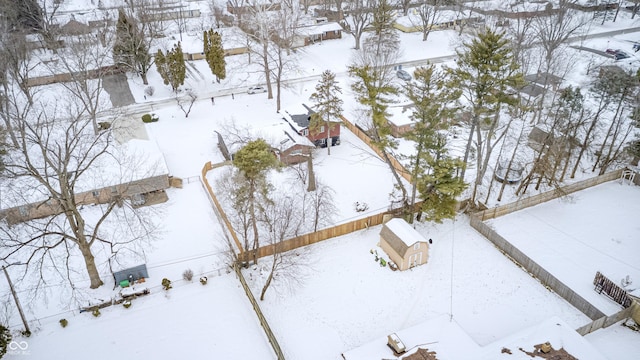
x: 216, y: 204
x: 367, y: 140
x: 600, y: 320
x: 263, y: 321
x: 547, y: 196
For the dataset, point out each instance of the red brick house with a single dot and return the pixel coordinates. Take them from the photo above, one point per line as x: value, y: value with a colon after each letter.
x: 299, y: 118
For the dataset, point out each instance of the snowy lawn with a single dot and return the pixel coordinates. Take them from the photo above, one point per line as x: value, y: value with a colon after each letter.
x: 346, y: 299
x: 186, y: 322
x: 593, y: 230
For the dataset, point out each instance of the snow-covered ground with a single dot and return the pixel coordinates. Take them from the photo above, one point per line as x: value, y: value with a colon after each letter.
x: 573, y: 237
x: 344, y: 298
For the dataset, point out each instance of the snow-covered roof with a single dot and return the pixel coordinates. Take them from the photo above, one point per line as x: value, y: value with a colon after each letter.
x: 132, y: 161
x: 297, y: 116
x: 442, y: 16
x: 400, y: 115
x: 450, y: 341
x: 192, y: 43
x: 404, y: 231
x: 279, y: 135
x: 319, y: 28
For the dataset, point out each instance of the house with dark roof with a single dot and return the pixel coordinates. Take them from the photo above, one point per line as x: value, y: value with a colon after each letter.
x: 403, y: 244
x: 299, y: 118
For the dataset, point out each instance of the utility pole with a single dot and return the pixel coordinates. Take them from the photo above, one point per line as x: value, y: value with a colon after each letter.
x: 15, y: 297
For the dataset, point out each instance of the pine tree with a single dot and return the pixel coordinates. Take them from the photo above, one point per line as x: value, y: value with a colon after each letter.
x: 253, y: 161
x: 328, y: 105
x: 486, y: 72
x: 171, y: 67
x: 5, y: 339
x: 130, y: 50
x: 214, y: 54
x: 430, y: 167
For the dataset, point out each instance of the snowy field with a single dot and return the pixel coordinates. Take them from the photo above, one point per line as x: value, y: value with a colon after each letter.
x: 345, y: 299
x: 593, y: 230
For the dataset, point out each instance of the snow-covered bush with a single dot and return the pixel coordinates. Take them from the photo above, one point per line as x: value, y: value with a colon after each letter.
x: 187, y: 275
x: 166, y: 284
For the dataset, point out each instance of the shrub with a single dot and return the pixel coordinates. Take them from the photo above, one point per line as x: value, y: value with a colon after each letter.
x: 203, y: 280
x: 166, y: 284
x: 64, y: 323
x: 96, y: 312
x: 149, y: 90
x: 103, y: 125
x: 5, y: 339
x: 187, y: 275
x: 126, y: 304
x: 146, y: 118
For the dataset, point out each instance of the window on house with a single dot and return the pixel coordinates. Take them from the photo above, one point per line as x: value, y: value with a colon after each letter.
x: 416, y: 246
x: 322, y: 128
x: 305, y: 132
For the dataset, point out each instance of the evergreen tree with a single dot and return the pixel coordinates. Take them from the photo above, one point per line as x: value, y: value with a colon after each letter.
x: 486, y: 73
x: 327, y: 104
x: 431, y: 169
x: 5, y: 339
x: 130, y: 50
x: 214, y: 54
x: 253, y: 161
x: 374, y: 93
x: 171, y: 67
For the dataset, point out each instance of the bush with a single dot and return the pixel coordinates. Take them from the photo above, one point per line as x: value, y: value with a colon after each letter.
x: 126, y: 304
x: 64, y: 323
x: 96, y: 312
x: 187, y: 275
x: 149, y: 90
x: 5, y: 339
x: 103, y: 125
x: 203, y: 280
x: 166, y: 284
x: 146, y: 118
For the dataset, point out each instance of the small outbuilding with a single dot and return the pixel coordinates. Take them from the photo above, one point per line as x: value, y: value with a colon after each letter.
x: 403, y: 244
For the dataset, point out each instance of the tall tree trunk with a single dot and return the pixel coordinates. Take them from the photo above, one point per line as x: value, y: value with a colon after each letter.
x: 90, y: 263
x: 143, y: 75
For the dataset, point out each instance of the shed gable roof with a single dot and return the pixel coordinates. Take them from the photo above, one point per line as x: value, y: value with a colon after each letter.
x: 400, y: 235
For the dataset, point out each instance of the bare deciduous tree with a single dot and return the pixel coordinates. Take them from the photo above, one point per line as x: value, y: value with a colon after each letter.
x: 57, y: 162
x: 359, y: 19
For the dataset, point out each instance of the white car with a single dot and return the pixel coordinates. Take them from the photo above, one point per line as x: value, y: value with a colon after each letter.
x: 257, y: 89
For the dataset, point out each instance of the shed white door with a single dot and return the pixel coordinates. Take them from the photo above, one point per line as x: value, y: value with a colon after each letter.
x: 415, y: 259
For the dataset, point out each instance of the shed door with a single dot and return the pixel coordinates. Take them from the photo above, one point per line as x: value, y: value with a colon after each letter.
x: 415, y: 259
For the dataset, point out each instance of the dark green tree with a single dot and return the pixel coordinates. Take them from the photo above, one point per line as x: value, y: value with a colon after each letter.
x: 327, y: 104
x: 431, y: 169
x: 131, y: 51
x: 171, y: 67
x: 253, y: 161
x: 214, y: 54
x: 374, y: 93
x: 487, y: 73
x: 5, y: 339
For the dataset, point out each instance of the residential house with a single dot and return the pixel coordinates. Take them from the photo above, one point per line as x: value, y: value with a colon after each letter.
x: 403, y: 244
x: 143, y: 181
x: 446, y: 19
x: 299, y: 118
x: 307, y: 35
x: 287, y: 145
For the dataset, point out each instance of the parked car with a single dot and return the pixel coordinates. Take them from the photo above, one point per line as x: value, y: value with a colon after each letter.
x: 257, y: 90
x: 617, y: 54
x: 403, y: 75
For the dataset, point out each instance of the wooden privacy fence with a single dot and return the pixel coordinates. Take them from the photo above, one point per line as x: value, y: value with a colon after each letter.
x: 216, y: 204
x: 547, y: 196
x: 263, y: 321
x: 367, y: 140
x: 600, y: 320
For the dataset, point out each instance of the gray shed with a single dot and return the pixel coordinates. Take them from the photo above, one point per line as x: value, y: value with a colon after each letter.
x: 138, y: 272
